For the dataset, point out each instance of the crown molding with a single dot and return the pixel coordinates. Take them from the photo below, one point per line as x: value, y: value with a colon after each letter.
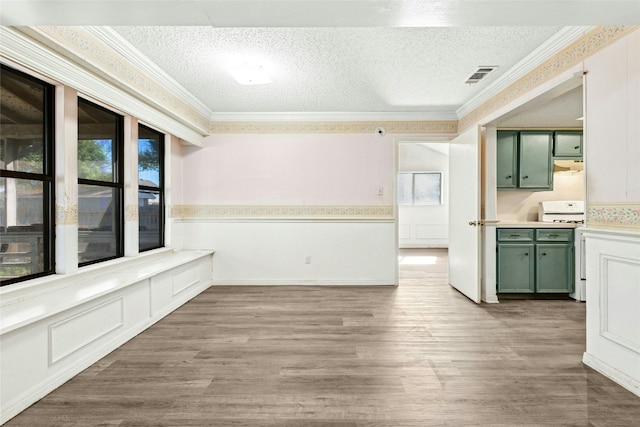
x: 82, y: 48
x: 552, y: 46
x: 39, y: 56
x: 120, y: 45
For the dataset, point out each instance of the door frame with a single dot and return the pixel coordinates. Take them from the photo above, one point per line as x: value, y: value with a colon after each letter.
x: 572, y: 77
x: 397, y: 140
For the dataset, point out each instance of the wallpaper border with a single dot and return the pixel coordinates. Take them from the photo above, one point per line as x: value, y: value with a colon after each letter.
x: 281, y: 212
x: 66, y: 215
x: 131, y: 213
x: 622, y: 214
x: 289, y: 127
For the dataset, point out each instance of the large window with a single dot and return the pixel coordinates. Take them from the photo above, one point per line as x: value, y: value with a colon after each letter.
x: 100, y: 184
x: 26, y: 177
x: 420, y: 188
x: 150, y: 188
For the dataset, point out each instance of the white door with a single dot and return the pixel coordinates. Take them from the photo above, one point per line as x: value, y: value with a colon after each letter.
x: 464, y: 209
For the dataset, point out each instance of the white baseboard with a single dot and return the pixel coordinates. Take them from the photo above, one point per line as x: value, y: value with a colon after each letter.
x: 423, y: 245
x: 490, y: 299
x: 612, y: 373
x: 303, y: 283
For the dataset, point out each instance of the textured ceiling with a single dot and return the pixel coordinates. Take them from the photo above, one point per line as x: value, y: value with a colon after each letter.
x: 335, y: 69
x: 358, y: 56
x: 320, y: 13
x: 555, y: 110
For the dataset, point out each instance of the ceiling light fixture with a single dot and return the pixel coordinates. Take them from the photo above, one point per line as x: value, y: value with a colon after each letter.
x: 248, y: 74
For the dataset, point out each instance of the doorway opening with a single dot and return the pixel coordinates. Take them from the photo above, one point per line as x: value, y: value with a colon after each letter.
x: 422, y: 200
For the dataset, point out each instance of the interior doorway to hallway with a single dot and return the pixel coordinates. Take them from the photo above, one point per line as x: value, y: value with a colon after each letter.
x: 422, y: 198
x: 426, y: 265
x: 422, y: 195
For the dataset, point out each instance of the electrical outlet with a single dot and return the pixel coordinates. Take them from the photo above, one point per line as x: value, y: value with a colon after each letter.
x: 307, y: 260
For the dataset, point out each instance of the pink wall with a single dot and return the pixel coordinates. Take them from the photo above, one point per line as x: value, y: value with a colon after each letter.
x: 316, y: 169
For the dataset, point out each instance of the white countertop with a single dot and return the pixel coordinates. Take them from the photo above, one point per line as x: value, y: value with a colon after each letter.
x: 534, y: 224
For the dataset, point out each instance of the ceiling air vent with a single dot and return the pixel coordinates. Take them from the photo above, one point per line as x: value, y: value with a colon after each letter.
x: 480, y: 74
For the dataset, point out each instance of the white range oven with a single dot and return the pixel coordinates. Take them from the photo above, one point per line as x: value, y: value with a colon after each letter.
x: 570, y: 212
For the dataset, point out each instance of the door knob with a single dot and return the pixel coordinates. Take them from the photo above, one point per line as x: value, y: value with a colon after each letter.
x: 473, y: 223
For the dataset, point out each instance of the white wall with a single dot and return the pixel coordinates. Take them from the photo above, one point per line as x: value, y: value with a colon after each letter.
x: 613, y: 122
x: 292, y: 252
x: 424, y: 226
x: 613, y: 211
x: 520, y: 205
x: 613, y: 306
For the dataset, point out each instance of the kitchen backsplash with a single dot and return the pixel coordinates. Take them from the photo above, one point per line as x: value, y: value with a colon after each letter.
x: 523, y: 205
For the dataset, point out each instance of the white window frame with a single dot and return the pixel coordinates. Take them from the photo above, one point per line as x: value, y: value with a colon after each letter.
x: 413, y: 188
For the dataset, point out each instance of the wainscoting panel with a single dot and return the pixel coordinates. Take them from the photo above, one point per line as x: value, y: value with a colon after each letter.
x: 404, y: 231
x: 431, y: 231
x: 282, y: 252
x: 55, y: 327
x: 73, y: 333
x: 620, y: 301
x: 185, y: 279
x: 613, y: 305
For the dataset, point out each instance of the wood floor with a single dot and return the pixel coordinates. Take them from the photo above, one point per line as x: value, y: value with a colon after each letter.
x: 420, y: 354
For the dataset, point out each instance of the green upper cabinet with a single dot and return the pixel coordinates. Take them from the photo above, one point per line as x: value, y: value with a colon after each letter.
x: 507, y: 156
x: 536, y: 165
x: 524, y: 160
x: 568, y: 145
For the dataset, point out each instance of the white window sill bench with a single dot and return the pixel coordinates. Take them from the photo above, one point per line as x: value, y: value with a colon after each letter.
x: 51, y: 328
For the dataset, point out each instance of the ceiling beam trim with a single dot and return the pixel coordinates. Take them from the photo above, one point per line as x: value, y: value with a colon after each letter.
x: 562, y: 61
x: 555, y: 44
x: 43, y: 56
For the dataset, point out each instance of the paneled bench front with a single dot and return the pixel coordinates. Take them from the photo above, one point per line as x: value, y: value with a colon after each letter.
x: 54, y: 327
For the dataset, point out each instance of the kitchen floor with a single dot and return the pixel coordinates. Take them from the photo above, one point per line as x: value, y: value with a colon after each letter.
x: 420, y: 354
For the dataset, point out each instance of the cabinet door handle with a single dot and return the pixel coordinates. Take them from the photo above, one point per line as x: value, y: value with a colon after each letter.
x: 576, y: 147
x: 526, y: 254
x: 544, y: 254
x: 553, y: 236
x: 525, y: 177
x: 509, y: 177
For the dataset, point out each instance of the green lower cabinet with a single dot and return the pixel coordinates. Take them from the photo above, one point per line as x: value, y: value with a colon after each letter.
x: 516, y: 268
x: 534, y: 261
x: 554, y: 268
